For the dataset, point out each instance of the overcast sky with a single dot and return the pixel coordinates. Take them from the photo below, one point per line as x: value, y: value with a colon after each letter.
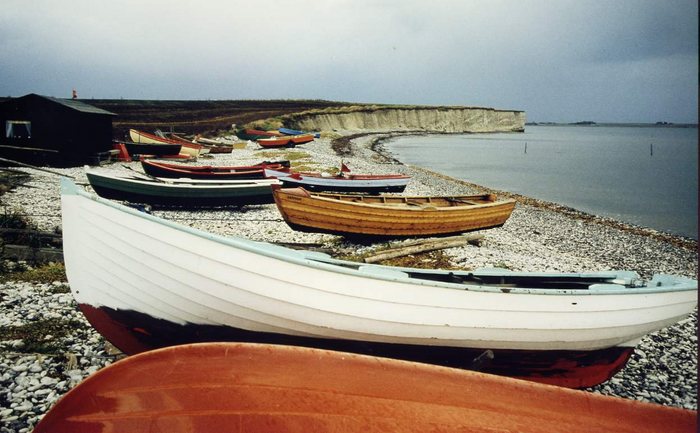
x: 558, y: 60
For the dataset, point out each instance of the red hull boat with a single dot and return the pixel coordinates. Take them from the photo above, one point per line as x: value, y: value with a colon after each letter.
x: 233, y: 387
x: 162, y: 169
x: 285, y: 141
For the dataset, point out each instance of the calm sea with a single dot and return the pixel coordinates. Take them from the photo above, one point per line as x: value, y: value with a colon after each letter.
x: 645, y: 175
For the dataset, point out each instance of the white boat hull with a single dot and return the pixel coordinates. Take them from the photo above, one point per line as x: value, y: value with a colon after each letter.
x: 257, y: 287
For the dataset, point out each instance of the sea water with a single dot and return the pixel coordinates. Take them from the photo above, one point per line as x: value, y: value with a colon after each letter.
x: 645, y: 175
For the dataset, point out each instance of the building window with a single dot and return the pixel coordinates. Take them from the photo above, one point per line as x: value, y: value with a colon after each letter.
x: 18, y: 129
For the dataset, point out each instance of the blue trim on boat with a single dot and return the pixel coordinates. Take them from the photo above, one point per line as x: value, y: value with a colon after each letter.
x: 660, y: 283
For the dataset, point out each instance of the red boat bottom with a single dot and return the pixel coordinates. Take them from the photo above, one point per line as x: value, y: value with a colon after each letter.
x: 234, y: 387
x: 133, y: 332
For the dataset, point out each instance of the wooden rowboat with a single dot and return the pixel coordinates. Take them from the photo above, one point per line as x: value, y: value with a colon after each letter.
x: 389, y: 215
x: 229, y: 387
x: 191, y: 149
x: 162, y: 169
x: 184, y: 193
x: 285, y: 141
x: 343, y: 182
x: 568, y: 329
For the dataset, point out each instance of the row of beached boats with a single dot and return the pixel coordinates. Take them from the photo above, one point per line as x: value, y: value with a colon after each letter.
x: 176, y: 147
x: 146, y: 283
x: 301, y: 199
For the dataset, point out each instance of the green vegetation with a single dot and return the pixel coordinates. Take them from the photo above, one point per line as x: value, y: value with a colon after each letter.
x: 14, y: 219
x: 42, y: 336
x: 300, y: 160
x: 269, y: 124
x: 44, y: 274
x: 212, y: 117
x: 10, y: 178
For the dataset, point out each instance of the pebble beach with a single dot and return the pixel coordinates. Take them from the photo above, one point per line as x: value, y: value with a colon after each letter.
x: 539, y: 237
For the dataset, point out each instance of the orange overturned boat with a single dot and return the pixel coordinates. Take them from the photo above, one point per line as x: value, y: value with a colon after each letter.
x: 386, y: 215
x: 238, y: 387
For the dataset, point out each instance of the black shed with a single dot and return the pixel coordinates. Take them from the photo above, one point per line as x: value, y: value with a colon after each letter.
x: 52, y: 131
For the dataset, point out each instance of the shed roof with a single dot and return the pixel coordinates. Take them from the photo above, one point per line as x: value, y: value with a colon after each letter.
x: 69, y: 103
x: 79, y: 106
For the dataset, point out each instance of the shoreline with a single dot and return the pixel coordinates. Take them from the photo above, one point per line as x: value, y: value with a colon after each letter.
x: 675, y: 239
x: 539, y: 236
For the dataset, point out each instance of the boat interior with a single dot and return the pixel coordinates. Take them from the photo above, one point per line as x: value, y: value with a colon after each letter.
x: 418, y: 201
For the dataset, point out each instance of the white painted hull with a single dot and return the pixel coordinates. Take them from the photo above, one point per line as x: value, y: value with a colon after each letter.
x: 263, y: 288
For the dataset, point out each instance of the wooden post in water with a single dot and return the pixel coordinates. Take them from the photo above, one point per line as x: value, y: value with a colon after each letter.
x: 651, y: 149
x: 526, y: 147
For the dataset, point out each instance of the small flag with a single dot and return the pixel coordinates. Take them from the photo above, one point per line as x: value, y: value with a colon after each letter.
x: 344, y: 168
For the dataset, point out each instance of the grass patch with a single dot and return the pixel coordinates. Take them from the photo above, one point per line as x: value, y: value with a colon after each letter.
x: 269, y: 124
x: 35, y: 334
x: 44, y: 274
x: 291, y: 155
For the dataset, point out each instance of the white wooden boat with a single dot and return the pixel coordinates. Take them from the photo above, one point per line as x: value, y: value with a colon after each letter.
x: 133, y: 276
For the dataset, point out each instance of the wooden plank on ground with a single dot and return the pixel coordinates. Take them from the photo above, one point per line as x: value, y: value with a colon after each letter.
x: 432, y: 244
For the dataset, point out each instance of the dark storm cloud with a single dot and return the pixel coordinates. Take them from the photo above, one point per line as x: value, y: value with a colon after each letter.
x: 625, y: 60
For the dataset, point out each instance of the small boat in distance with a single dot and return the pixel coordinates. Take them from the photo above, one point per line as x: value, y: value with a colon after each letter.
x: 256, y: 134
x: 221, y: 387
x: 342, y: 182
x: 183, y: 193
x: 287, y: 131
x: 382, y: 215
x: 190, y: 149
x: 163, y: 169
x: 285, y: 141
x: 567, y: 329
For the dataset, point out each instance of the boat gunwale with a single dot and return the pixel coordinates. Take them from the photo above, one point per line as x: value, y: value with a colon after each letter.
x: 164, y: 183
x: 325, y: 262
x: 405, y: 206
x: 317, y: 179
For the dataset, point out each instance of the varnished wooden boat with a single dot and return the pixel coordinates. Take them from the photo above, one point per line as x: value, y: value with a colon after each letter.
x: 342, y: 182
x: 568, y: 329
x: 183, y: 193
x: 285, y: 141
x: 233, y: 387
x: 190, y: 149
x: 389, y: 215
x: 163, y: 169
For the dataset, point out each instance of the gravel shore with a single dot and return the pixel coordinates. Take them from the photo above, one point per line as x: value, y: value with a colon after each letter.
x: 537, y: 237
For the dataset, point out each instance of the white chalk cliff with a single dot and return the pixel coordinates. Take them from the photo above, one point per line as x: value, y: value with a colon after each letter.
x: 429, y: 119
